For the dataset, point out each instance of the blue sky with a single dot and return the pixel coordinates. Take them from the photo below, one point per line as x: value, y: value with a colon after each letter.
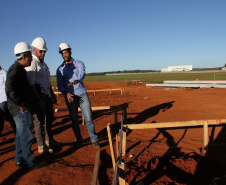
x: 112, y: 35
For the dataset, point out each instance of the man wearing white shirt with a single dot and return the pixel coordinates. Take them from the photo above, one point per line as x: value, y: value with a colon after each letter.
x: 39, y: 78
x: 4, y: 111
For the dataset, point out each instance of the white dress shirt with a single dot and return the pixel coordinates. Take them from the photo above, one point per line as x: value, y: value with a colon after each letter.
x: 2, y: 86
x: 38, y: 73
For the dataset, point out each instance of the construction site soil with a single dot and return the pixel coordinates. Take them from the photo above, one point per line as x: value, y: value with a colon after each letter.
x: 153, y: 156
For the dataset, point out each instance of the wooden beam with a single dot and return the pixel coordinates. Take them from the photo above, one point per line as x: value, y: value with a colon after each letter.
x: 96, y: 169
x: 99, y: 90
x: 93, y: 108
x: 174, y: 124
x: 111, y: 145
x: 98, y: 108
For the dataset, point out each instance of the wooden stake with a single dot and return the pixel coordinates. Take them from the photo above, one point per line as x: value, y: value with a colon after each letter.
x: 205, y: 137
x: 122, y: 175
x: 117, y: 141
x: 96, y: 169
x: 111, y: 145
x: 123, y: 143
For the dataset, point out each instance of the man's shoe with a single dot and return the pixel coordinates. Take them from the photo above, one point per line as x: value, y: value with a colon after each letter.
x: 37, y: 165
x: 53, y: 143
x: 44, y: 149
x: 19, y: 164
x: 78, y: 144
x: 96, y: 144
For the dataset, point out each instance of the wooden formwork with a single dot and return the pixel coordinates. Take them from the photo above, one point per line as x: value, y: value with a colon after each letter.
x: 119, y: 166
x: 110, y: 90
x: 116, y: 108
x: 204, y: 123
x: 117, y: 163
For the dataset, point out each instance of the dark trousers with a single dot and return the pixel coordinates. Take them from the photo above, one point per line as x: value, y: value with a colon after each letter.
x: 44, y: 118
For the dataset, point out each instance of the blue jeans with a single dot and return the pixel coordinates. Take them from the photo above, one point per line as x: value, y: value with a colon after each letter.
x: 24, y: 138
x: 4, y: 112
x: 84, y: 103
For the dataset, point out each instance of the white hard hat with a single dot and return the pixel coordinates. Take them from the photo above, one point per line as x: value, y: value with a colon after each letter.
x: 21, y: 47
x: 63, y: 46
x: 39, y: 43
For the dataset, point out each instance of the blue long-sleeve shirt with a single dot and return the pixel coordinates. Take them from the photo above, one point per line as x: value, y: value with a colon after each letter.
x: 69, y: 73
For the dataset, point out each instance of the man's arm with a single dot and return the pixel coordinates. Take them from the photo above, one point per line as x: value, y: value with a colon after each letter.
x: 60, y: 81
x: 61, y: 86
x: 81, y: 72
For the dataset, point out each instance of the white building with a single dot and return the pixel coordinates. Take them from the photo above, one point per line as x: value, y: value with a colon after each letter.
x: 177, y: 68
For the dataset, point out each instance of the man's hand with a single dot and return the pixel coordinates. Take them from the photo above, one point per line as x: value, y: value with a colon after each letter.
x: 23, y: 107
x: 74, y: 83
x: 70, y: 97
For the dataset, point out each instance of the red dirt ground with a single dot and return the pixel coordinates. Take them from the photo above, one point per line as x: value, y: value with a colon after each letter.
x: 153, y: 156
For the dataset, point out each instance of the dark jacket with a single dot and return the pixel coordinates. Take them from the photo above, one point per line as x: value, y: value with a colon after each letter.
x: 18, y: 90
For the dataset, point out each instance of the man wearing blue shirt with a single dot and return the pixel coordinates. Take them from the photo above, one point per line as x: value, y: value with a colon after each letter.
x: 70, y: 75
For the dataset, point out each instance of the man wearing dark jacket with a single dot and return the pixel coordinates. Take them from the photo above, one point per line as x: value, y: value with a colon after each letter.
x: 20, y: 103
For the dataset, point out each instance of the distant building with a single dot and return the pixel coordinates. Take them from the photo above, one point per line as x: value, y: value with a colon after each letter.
x: 177, y: 68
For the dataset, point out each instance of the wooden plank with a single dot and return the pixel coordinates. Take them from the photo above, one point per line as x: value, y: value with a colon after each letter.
x: 57, y: 92
x: 96, y: 168
x: 111, y: 145
x: 174, y: 124
x: 99, y: 90
x: 93, y: 108
x: 98, y: 108
x: 205, y: 137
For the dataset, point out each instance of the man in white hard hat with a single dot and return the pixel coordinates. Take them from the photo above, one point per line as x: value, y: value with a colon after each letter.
x: 39, y: 78
x: 4, y: 111
x: 20, y: 103
x: 70, y: 75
